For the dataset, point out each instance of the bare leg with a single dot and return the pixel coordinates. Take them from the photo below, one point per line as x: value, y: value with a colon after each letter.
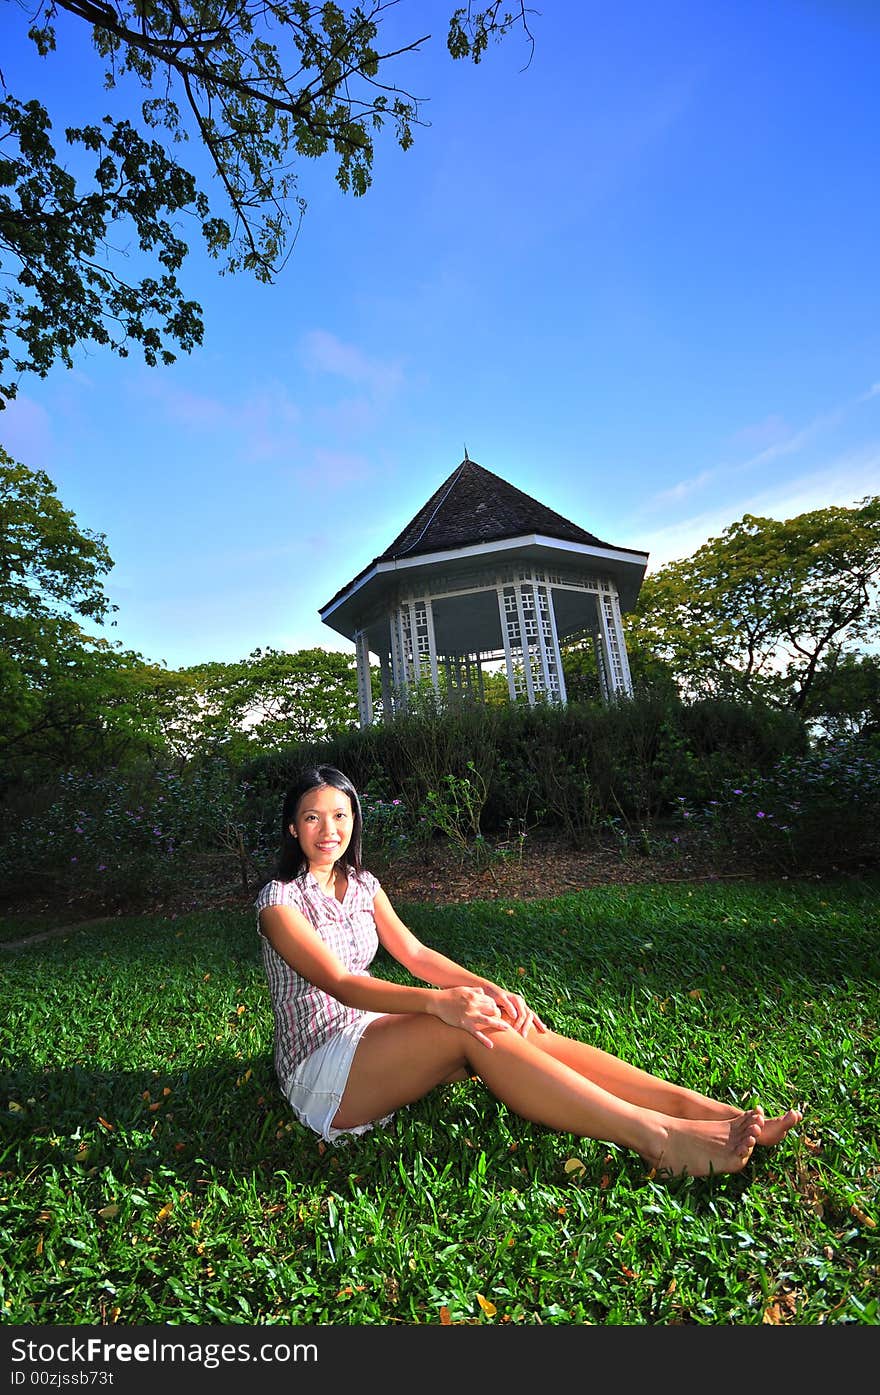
x: 402, y: 1057
x: 638, y: 1087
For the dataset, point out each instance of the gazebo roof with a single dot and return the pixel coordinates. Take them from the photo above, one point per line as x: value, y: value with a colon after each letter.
x: 475, y: 513
x: 474, y: 506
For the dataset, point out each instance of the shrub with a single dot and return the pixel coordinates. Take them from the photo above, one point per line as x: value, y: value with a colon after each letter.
x: 809, y: 812
x: 122, y: 839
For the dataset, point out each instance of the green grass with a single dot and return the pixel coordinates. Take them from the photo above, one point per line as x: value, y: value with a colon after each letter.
x: 150, y: 1171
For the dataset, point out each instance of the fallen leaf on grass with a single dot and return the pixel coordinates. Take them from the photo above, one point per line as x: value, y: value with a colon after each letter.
x: 108, y: 1212
x: 574, y: 1165
x: 445, y: 1317
x: 780, y: 1310
x: 860, y: 1216
x: 165, y: 1212
x: 488, y: 1308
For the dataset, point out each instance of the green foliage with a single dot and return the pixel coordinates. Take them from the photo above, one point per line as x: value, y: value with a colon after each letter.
x: 586, y: 771
x: 455, y: 809
x: 757, y: 613
x: 67, y: 697
x: 260, y: 88
x: 48, y: 564
x: 815, y: 810
x: 568, y: 767
x: 845, y: 697
x: 265, y: 701
x: 115, y: 840
x: 53, y: 238
x: 71, y: 700
x: 390, y: 831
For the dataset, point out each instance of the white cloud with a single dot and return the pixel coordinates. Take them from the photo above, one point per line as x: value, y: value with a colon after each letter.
x: 842, y: 483
x: 260, y: 424
x: 192, y: 409
x: 324, y: 352
x: 783, y: 441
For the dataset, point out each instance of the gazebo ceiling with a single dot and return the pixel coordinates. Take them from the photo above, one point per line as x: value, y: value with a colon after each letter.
x: 473, y: 518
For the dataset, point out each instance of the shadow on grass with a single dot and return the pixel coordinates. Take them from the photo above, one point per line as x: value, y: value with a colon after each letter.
x: 93, y: 1131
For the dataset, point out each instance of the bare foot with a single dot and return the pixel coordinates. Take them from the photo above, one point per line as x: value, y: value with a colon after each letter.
x: 776, y: 1128
x: 698, y: 1148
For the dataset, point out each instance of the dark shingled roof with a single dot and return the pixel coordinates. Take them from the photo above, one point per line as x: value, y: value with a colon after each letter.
x: 475, y: 506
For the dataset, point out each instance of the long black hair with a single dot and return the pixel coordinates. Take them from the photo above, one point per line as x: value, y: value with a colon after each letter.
x: 292, y: 860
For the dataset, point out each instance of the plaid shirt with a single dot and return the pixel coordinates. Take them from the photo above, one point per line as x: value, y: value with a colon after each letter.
x: 306, y: 1017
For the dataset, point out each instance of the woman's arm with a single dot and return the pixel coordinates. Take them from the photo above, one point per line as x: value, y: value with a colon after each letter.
x: 433, y: 967
x: 299, y: 944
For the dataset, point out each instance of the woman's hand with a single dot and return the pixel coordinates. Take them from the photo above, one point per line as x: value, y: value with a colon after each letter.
x: 475, y: 1010
x: 515, y: 1010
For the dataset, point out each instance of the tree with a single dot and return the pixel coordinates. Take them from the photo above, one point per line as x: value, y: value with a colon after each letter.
x: 260, y: 85
x: 845, y: 697
x: 67, y: 696
x: 268, y: 700
x: 759, y: 612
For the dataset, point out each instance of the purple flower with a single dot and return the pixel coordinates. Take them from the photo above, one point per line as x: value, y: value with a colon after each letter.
x: 761, y: 814
x: 73, y: 859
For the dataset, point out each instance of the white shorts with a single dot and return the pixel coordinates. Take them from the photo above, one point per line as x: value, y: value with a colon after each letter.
x: 315, y: 1089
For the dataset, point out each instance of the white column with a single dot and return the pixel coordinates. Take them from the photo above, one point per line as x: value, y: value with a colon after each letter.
x: 613, y: 647
x: 387, y: 686
x: 524, y: 645
x: 554, y: 639
x: 399, y: 666
x: 432, y: 644
x: 600, y: 663
x: 364, y: 682
x: 620, y: 638
x: 505, y: 635
x: 542, y: 645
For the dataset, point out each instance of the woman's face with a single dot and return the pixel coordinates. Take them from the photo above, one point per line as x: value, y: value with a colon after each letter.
x: 323, y: 825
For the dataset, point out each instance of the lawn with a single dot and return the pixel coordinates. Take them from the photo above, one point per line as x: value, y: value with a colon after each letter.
x: 151, y: 1172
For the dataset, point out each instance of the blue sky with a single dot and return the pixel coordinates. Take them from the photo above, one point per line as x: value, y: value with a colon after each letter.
x: 637, y: 278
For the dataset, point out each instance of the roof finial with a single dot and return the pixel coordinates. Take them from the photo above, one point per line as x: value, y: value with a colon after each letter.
x: 466, y: 456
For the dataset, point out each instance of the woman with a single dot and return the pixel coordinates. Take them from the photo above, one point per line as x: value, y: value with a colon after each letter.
x: 350, y: 1049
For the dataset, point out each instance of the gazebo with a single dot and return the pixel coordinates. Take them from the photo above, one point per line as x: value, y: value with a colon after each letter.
x: 484, y: 577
